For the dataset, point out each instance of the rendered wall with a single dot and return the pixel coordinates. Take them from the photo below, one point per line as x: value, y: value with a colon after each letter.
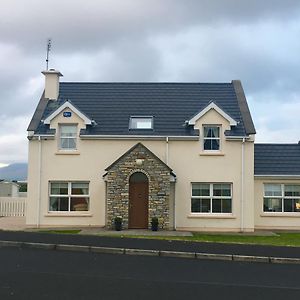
x: 186, y: 158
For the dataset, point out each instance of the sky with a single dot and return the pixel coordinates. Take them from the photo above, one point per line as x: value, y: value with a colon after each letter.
x: 255, y: 41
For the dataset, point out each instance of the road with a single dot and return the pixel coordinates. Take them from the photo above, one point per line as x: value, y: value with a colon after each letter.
x: 42, y: 274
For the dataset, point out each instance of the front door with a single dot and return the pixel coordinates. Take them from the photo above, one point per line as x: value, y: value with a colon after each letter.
x: 138, y: 200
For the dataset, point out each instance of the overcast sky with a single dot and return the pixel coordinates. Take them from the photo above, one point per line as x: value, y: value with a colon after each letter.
x: 255, y: 41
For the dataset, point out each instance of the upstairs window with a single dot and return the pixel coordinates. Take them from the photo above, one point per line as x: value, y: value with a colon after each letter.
x: 141, y: 123
x: 211, y: 138
x: 68, y: 137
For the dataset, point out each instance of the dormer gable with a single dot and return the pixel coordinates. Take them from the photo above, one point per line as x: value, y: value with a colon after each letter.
x: 212, y: 106
x: 74, y: 109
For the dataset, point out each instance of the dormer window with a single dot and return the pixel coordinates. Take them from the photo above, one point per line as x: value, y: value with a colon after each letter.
x: 138, y: 122
x: 211, y: 138
x: 68, y: 137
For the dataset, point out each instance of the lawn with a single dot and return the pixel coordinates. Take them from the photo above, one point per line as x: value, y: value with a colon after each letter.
x: 280, y: 239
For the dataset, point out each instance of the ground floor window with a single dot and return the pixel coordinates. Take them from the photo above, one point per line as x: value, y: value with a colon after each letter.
x: 69, y: 196
x: 281, y: 197
x: 211, y: 198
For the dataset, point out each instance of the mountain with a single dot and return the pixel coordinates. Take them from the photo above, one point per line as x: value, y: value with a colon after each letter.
x: 16, y: 171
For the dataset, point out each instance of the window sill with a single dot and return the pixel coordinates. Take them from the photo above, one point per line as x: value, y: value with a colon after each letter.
x: 67, y: 152
x: 68, y: 214
x: 211, y: 216
x: 208, y: 153
x: 281, y: 214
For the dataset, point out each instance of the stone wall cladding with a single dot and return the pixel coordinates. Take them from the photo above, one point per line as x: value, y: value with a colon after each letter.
x: 140, y: 159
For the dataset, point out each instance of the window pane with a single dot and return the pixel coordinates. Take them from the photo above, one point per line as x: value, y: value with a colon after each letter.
x: 200, y: 189
x: 222, y: 190
x: 68, y: 130
x: 292, y: 190
x: 226, y: 205
x: 272, y: 205
x: 201, y: 205
x: 80, y: 188
x: 212, y: 132
x: 80, y: 204
x: 59, y: 204
x: 272, y: 190
x: 59, y: 188
x: 216, y: 206
x: 205, y: 205
x: 292, y: 205
x: 68, y: 143
x: 141, y: 123
x: 195, y: 205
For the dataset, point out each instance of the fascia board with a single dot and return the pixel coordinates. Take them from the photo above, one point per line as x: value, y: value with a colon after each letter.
x: 214, y: 106
x: 69, y: 105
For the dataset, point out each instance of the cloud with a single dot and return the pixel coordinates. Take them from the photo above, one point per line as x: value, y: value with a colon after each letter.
x: 150, y: 40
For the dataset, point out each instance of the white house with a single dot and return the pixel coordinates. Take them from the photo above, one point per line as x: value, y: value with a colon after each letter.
x: 182, y: 152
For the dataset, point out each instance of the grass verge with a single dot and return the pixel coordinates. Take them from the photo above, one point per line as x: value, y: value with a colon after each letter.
x: 71, y: 231
x: 281, y: 239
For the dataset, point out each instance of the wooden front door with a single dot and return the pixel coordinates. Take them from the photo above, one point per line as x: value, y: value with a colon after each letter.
x: 138, y: 201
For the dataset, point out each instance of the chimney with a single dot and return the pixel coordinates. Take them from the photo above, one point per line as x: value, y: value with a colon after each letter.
x: 52, y: 83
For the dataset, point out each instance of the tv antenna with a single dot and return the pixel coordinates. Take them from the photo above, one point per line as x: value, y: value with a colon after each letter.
x: 48, y: 50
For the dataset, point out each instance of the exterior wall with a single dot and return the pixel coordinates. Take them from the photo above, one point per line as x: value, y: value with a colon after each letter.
x: 186, y: 158
x: 9, y: 189
x: 270, y: 220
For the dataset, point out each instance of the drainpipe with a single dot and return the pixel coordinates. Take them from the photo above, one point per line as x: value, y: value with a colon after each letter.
x: 167, y: 150
x: 39, y: 182
x: 167, y: 162
x: 242, y: 185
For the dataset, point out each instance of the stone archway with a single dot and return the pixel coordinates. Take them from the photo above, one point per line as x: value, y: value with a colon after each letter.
x: 138, y: 201
x: 138, y: 159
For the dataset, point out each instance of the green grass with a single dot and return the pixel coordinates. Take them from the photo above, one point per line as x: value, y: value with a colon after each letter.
x: 281, y: 239
x: 71, y: 231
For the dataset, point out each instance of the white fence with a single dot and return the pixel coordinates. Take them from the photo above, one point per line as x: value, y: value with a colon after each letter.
x: 12, y: 206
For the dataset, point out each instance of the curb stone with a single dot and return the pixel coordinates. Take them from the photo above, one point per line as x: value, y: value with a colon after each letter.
x: 107, y: 250
x: 145, y: 252
x: 73, y: 248
x: 177, y: 254
x: 250, y: 258
x: 141, y: 252
x: 283, y: 260
x: 213, y: 256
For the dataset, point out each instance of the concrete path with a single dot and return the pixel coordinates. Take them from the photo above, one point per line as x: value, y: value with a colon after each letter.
x: 12, y: 223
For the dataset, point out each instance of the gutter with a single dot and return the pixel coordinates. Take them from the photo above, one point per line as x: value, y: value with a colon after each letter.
x: 140, y: 137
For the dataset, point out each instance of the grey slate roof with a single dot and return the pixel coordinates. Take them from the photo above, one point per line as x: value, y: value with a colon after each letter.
x: 277, y: 159
x: 110, y: 105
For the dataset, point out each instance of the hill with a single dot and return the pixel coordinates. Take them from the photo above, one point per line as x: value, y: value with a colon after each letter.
x: 17, y: 171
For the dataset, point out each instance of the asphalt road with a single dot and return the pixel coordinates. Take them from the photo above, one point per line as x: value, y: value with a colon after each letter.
x: 41, y: 274
x: 118, y: 242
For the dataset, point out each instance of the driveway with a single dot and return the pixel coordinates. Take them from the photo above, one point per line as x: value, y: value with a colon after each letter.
x: 12, y: 223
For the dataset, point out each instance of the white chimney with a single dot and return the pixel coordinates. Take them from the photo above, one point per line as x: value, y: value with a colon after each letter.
x: 52, y: 83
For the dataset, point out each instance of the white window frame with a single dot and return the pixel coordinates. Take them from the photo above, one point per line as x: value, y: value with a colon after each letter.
x: 69, y: 196
x: 140, y: 117
x: 282, y: 197
x: 211, y: 197
x: 210, y: 138
x: 71, y: 137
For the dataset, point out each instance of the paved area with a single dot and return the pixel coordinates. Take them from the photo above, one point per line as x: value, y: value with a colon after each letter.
x: 105, y: 232
x: 12, y: 223
x: 150, y: 244
x: 41, y: 274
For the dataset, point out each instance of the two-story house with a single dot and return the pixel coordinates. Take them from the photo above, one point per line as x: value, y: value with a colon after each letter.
x: 182, y: 152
